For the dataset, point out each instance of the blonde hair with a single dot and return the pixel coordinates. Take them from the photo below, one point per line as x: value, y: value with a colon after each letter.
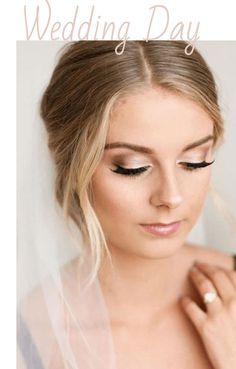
x: 76, y: 106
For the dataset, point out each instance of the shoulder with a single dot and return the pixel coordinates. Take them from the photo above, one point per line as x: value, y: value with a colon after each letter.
x: 39, y: 303
x: 36, y: 337
x: 208, y: 254
x: 33, y: 306
x: 33, y: 319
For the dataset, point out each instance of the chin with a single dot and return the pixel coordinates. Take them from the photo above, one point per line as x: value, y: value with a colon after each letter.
x: 151, y: 250
x: 164, y: 248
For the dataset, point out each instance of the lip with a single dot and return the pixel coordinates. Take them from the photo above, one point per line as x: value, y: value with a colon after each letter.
x: 162, y: 229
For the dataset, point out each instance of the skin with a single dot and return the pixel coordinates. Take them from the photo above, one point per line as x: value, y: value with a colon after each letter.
x: 143, y: 263
x: 167, y: 191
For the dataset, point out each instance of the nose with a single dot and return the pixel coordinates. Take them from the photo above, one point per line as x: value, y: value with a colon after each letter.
x: 166, y: 191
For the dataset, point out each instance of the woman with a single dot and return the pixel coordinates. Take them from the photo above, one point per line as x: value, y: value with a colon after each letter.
x: 133, y: 140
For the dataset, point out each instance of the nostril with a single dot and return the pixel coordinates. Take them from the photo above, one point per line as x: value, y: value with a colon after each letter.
x: 167, y: 198
x: 166, y: 192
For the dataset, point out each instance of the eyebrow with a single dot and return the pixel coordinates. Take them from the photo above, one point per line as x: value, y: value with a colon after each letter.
x: 147, y: 150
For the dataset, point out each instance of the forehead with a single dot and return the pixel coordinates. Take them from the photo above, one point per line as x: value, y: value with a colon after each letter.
x: 158, y: 118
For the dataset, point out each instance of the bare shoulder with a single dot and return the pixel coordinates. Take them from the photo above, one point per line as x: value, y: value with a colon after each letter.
x: 49, y: 290
x: 208, y: 254
x: 33, y: 305
x: 35, y: 328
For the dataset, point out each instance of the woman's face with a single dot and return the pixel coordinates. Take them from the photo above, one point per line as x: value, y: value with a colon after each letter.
x: 168, y: 138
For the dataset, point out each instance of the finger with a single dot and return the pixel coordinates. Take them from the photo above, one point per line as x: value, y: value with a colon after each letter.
x: 204, y: 285
x: 221, y: 280
x: 231, y: 273
x: 232, y: 276
x: 194, y: 312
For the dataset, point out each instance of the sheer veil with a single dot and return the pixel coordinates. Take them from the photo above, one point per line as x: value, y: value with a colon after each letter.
x: 61, y: 322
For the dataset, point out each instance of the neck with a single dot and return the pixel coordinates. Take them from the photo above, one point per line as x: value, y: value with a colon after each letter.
x: 136, y: 288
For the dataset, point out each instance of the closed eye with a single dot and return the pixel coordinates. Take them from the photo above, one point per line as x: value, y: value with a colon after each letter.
x: 137, y: 171
x: 194, y: 166
x: 130, y: 171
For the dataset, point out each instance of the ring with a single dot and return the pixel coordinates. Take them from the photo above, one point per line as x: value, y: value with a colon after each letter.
x: 209, y: 297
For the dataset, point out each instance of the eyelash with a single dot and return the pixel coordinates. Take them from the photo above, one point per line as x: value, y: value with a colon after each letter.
x: 137, y: 171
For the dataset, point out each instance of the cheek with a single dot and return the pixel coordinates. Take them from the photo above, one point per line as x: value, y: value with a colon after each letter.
x: 114, y: 197
x: 196, y: 191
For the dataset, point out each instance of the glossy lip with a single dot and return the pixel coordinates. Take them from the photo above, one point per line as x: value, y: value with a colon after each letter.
x: 161, y: 229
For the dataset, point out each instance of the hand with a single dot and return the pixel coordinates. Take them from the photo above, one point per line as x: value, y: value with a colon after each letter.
x: 217, y: 325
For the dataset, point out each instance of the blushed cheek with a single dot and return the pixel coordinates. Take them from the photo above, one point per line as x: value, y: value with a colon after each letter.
x: 198, y: 191
x: 112, y: 199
